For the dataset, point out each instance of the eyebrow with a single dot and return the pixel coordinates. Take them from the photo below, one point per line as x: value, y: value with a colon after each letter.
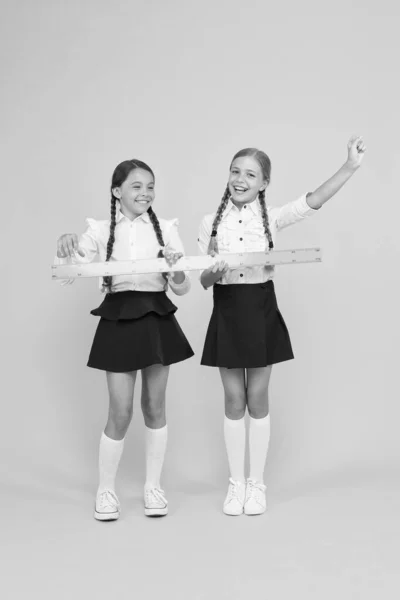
x: 247, y: 170
x: 138, y: 181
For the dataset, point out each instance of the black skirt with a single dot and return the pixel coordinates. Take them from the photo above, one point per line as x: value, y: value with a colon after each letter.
x: 246, y: 329
x: 136, y: 330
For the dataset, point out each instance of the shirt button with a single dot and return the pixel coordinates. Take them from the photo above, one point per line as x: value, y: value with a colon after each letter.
x: 240, y: 221
x: 245, y: 206
x: 241, y: 274
x: 241, y: 239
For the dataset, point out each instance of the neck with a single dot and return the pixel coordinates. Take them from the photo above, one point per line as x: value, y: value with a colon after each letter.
x: 240, y: 205
x: 129, y: 215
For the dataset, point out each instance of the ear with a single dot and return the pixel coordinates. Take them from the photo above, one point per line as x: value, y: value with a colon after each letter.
x: 117, y: 193
x: 264, y: 186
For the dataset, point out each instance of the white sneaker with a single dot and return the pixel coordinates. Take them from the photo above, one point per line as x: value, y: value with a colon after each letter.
x: 255, y: 502
x: 234, y: 500
x: 155, y: 502
x: 107, y: 506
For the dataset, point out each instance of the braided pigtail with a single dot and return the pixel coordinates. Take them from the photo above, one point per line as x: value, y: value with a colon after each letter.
x: 157, y: 230
x: 107, y: 280
x: 213, y: 245
x: 264, y: 214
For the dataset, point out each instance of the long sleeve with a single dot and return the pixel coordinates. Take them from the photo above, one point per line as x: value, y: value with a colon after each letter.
x: 203, y: 238
x: 291, y: 213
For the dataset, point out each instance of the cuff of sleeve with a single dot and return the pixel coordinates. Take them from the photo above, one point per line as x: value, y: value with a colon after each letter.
x: 179, y: 288
x: 303, y: 207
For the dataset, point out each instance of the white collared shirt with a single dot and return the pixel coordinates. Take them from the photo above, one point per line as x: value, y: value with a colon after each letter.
x: 133, y: 240
x: 243, y: 231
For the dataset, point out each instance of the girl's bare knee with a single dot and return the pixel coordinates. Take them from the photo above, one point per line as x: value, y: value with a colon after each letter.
x: 120, y: 419
x: 154, y: 414
x: 235, y: 408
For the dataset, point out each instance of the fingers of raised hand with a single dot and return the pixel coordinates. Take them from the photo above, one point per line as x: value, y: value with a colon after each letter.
x: 356, y: 142
x: 361, y: 147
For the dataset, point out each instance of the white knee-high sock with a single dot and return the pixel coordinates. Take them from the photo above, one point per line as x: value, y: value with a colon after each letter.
x: 235, y: 441
x: 259, y: 434
x: 156, y: 445
x: 109, y: 456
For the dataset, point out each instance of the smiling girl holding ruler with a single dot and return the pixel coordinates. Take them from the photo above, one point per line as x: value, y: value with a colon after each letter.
x: 247, y: 333
x: 137, y: 328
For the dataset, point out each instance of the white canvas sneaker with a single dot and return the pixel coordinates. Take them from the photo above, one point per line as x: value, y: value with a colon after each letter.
x: 155, y: 502
x: 107, y: 506
x: 234, y: 500
x: 255, y: 502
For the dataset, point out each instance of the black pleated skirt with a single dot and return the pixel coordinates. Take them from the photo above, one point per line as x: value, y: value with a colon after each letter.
x: 246, y: 329
x: 137, y: 330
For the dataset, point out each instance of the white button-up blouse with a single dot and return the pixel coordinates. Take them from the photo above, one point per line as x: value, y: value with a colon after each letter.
x: 133, y: 240
x: 243, y: 231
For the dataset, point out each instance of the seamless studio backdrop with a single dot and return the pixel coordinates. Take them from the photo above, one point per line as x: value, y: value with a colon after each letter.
x: 183, y: 86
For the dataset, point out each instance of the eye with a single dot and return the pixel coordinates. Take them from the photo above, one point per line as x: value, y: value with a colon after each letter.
x: 251, y: 175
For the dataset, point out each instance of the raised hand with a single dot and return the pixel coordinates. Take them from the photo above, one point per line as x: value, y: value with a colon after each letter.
x: 356, y: 149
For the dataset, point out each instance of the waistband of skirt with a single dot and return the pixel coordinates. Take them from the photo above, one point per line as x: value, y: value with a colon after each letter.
x: 243, y: 288
x: 132, y: 304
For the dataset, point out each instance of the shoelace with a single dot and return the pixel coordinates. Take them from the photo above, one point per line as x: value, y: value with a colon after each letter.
x: 158, y: 494
x: 233, y: 491
x: 255, y: 490
x: 108, y: 499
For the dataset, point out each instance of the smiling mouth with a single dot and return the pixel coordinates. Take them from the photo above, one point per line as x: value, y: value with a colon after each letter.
x: 239, y: 189
x: 142, y: 201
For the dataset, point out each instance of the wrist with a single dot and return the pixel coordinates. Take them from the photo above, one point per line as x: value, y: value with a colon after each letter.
x: 178, y: 277
x: 350, y: 167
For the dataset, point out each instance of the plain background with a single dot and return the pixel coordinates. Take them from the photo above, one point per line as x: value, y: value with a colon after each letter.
x: 183, y: 85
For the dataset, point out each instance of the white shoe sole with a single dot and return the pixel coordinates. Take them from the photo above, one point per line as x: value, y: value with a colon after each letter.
x: 250, y: 513
x: 106, y: 516
x: 231, y: 514
x: 156, y: 512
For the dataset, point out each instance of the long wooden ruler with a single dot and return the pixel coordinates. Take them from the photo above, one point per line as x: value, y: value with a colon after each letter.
x: 187, y: 263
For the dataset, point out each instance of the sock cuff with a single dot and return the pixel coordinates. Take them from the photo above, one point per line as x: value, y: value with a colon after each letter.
x: 234, y: 422
x: 158, y: 431
x: 108, y: 440
x: 259, y: 422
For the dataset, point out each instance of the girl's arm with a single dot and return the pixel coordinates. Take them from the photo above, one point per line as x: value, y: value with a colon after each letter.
x: 356, y: 149
x: 179, y: 281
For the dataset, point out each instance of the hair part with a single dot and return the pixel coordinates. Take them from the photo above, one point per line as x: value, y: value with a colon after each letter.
x: 120, y: 174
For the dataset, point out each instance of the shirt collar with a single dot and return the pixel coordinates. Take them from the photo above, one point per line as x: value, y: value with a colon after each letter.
x: 119, y: 216
x: 253, y: 206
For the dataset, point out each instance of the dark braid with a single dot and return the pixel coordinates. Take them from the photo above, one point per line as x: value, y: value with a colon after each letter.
x: 213, y: 245
x: 157, y: 228
x: 107, y: 281
x: 264, y: 213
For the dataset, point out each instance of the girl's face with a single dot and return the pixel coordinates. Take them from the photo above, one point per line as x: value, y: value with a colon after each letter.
x: 245, y: 180
x: 136, y: 194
